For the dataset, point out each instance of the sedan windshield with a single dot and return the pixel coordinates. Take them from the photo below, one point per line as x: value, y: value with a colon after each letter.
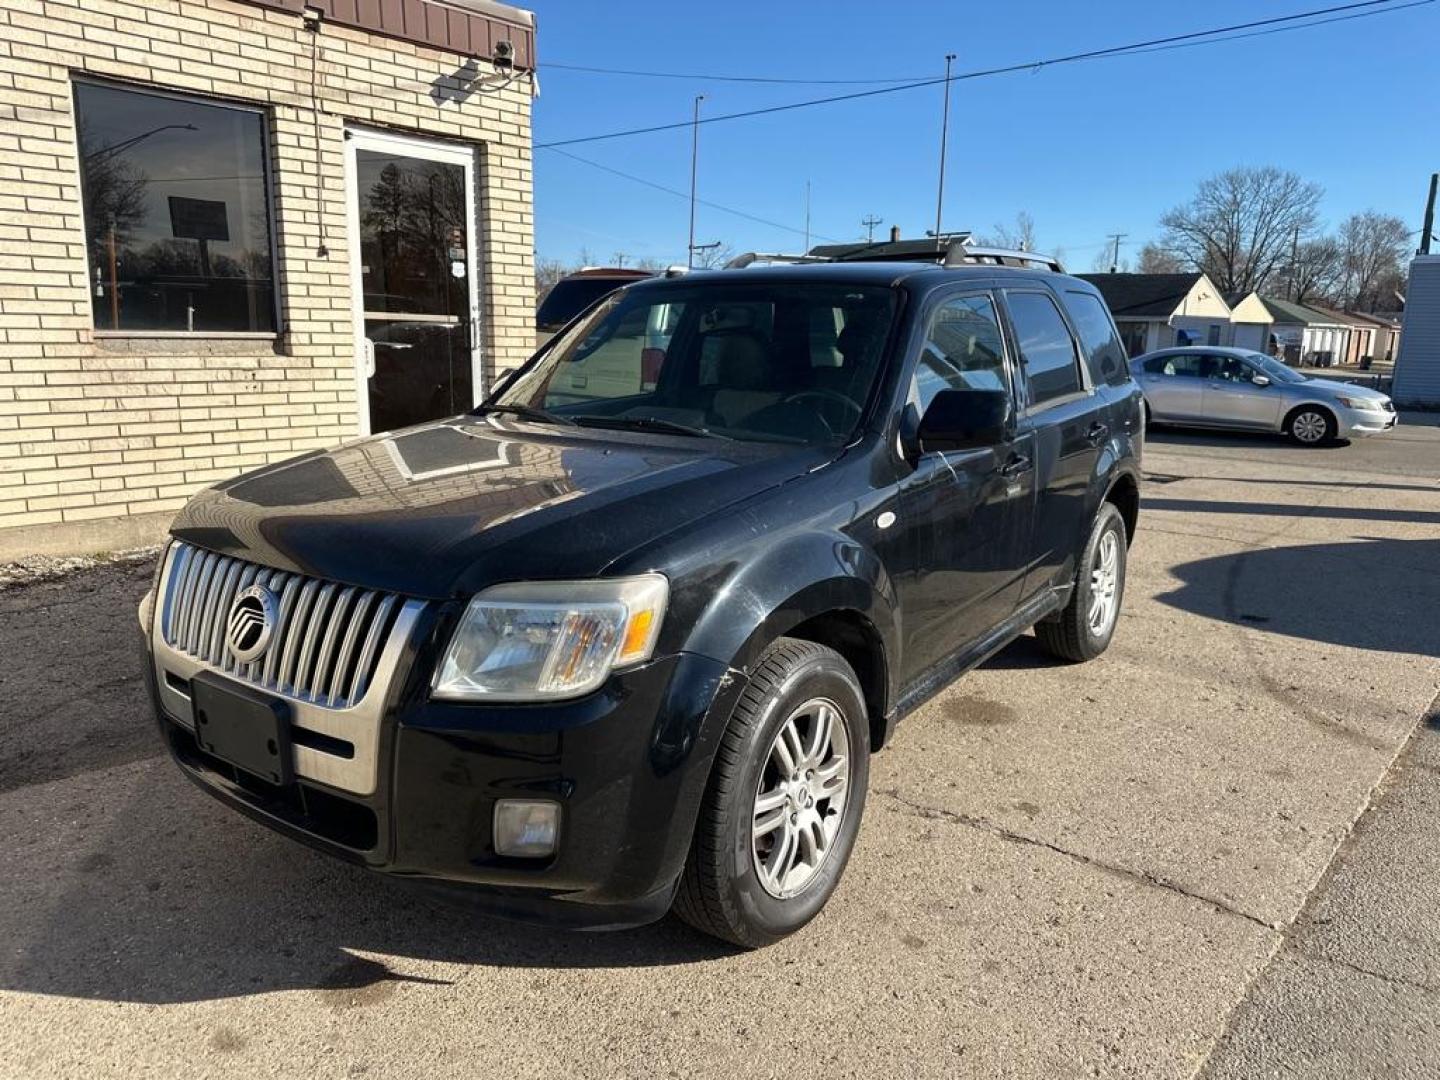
x: 1276, y: 369
x: 755, y: 361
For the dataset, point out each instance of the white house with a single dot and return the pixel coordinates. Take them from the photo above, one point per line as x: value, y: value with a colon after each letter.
x: 1250, y: 322
x: 1156, y: 311
x: 1307, y: 336
x: 1417, y: 366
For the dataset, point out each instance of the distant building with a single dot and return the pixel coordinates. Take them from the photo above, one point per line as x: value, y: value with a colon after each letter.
x: 1385, y: 338
x: 1156, y: 311
x: 1251, y: 324
x: 1417, y: 365
x: 1306, y: 336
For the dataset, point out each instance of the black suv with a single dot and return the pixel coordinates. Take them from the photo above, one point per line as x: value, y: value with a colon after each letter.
x: 608, y: 650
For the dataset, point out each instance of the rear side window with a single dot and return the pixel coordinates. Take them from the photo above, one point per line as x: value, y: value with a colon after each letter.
x: 1046, y: 348
x: 1098, y: 337
x: 1179, y: 365
x: 963, y: 350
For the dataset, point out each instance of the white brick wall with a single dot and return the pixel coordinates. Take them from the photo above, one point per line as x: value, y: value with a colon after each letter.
x: 95, y: 429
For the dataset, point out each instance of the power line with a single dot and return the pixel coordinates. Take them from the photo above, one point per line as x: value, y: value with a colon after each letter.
x: 768, y: 79
x: 686, y: 195
x: 1375, y: 7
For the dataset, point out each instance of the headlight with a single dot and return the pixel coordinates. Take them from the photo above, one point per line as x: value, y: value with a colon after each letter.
x: 1359, y: 403
x: 543, y: 640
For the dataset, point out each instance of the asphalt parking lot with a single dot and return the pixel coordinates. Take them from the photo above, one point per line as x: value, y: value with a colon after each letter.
x: 1126, y: 868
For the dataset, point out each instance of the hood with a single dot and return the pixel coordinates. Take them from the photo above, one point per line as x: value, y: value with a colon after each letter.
x: 1332, y: 387
x: 448, y: 508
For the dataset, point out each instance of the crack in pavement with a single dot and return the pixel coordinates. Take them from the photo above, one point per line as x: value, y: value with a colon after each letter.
x: 1360, y: 969
x: 1138, y: 876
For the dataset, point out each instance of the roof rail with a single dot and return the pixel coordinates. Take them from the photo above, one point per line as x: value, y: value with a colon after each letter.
x: 961, y: 255
x: 750, y: 258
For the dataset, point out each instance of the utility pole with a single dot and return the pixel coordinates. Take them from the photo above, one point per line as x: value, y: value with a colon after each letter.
x: 1429, y: 230
x: 694, y: 161
x: 1115, y: 254
x: 712, y: 246
x: 944, y: 136
x: 1294, y: 261
x: 870, y: 222
x: 807, y: 217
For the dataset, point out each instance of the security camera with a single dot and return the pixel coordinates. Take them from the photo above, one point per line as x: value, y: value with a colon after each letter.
x: 504, y: 58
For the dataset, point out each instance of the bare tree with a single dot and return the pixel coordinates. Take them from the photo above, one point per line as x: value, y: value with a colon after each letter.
x: 1020, y: 237
x: 547, y: 273
x: 712, y: 258
x: 1102, y: 263
x: 1240, y: 226
x: 651, y: 263
x: 1155, y: 259
x: 1316, y: 271
x: 1373, y: 248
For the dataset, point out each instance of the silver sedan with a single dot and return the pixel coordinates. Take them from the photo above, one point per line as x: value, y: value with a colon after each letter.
x: 1244, y: 390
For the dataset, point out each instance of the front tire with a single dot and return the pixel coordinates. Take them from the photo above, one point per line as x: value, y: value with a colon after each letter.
x: 783, y: 804
x: 1084, y: 628
x: 1310, y: 425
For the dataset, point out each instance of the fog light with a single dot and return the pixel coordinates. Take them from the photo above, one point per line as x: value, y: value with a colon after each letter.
x: 526, y: 828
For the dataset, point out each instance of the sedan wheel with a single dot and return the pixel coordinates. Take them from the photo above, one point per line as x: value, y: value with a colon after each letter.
x: 1311, y: 427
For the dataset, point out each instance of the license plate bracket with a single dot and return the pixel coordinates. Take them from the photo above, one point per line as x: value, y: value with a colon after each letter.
x: 247, y: 728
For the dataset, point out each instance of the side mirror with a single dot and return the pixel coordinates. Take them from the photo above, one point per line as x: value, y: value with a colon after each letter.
x: 1261, y: 380
x: 964, y: 420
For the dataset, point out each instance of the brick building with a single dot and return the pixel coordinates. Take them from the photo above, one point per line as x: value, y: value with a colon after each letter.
x: 232, y: 231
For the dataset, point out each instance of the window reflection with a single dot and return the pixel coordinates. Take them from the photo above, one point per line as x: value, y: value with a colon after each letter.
x: 177, y: 217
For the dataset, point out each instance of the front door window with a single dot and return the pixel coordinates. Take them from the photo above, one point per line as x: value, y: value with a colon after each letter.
x: 412, y: 218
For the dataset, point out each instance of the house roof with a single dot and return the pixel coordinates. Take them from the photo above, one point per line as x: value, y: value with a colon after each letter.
x: 1341, y: 317
x: 1283, y: 311
x: 1141, y: 296
x: 1372, y: 318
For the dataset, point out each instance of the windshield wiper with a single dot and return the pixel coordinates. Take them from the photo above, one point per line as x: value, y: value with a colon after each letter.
x: 650, y: 423
x: 525, y: 412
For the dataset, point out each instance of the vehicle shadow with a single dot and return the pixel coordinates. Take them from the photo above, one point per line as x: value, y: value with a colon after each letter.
x: 1376, y: 593
x: 1159, y: 435
x: 161, y: 895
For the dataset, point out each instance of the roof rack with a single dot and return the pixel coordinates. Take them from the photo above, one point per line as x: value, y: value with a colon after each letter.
x: 769, y: 258
x: 961, y: 255
x: 952, y: 253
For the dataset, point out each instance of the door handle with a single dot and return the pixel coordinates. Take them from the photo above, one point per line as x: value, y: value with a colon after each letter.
x: 368, y: 356
x: 1096, y: 433
x: 1018, y: 465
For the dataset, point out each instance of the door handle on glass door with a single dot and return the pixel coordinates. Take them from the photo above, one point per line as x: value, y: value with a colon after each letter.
x: 368, y: 355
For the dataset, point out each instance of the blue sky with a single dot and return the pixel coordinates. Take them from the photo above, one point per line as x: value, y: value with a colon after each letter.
x: 1086, y: 149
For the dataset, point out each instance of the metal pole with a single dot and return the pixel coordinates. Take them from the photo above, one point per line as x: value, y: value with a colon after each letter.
x: 1429, y: 230
x: 1115, y: 255
x: 944, y: 136
x: 807, y: 217
x: 694, y: 161
x: 1294, y: 262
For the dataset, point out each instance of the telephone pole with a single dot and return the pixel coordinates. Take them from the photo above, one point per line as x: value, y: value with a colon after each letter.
x: 1115, y: 252
x: 870, y: 221
x: 1294, y: 261
x: 944, y: 136
x: 694, y: 161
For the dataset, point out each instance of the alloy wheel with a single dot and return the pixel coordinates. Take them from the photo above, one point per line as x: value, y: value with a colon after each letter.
x: 801, y: 797
x: 1105, y: 584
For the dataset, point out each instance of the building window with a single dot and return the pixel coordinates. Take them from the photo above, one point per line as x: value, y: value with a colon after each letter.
x: 177, y: 212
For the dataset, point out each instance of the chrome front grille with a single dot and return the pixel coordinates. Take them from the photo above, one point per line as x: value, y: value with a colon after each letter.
x: 326, y: 643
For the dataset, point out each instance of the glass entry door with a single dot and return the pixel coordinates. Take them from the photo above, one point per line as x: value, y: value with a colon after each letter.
x: 412, y: 217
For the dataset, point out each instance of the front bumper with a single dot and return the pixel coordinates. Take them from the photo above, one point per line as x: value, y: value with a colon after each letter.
x: 628, y: 765
x: 1358, y: 423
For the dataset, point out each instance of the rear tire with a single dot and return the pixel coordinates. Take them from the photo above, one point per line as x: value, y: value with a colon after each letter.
x: 1084, y: 628
x: 1311, y: 425
x: 781, y: 811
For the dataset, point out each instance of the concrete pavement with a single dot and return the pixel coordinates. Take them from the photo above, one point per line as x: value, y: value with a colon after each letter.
x: 1064, y: 871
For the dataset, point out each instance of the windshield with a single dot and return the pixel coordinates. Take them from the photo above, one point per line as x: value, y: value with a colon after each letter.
x: 1275, y: 368
x: 764, y: 362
